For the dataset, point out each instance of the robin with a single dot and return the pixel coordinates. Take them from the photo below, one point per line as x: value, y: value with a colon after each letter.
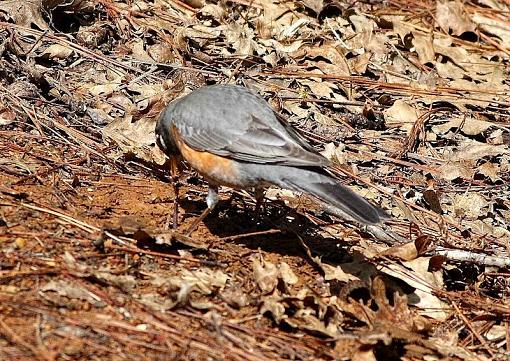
x: 231, y: 136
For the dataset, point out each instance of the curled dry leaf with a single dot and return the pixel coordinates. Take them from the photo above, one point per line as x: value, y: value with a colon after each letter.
x: 490, y: 170
x: 104, y: 89
x: 453, y: 170
x: 205, y: 280
x: 402, y: 115
x: 416, y: 274
x: 161, y: 53
x: 469, y: 205
x: 235, y: 297
x: 424, y: 48
x: 157, y: 302
x: 334, y: 153
x: 408, y: 251
x: 57, y: 51
x: 320, y: 88
x: 74, y: 265
x: 188, y: 287
x: 265, y: 274
x: 24, y: 13
x: 70, y: 290
x: 315, y: 5
x: 124, y: 282
x: 28, y: 13
x: 305, y: 319
x: 336, y: 273
x: 92, y: 36
x: 217, y: 12
x: 335, y: 64
x: 200, y: 33
x: 397, y: 314
x: 136, y: 137
x: 7, y: 116
x: 241, y: 38
x: 138, y: 50
x: 272, y: 305
x: 287, y: 275
x: 470, y: 150
x: 451, y: 15
x: 492, y: 25
x: 469, y: 126
x: 497, y: 137
x: 22, y: 89
x: 196, y: 4
x: 432, y: 198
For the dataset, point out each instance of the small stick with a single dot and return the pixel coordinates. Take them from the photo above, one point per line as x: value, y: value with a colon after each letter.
x: 246, y: 235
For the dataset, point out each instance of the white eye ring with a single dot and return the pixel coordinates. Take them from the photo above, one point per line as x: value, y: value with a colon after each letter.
x: 161, y: 141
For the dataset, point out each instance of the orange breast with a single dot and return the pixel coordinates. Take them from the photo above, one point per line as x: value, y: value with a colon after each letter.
x: 219, y: 170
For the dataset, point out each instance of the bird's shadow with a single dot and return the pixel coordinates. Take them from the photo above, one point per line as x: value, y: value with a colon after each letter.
x: 235, y: 220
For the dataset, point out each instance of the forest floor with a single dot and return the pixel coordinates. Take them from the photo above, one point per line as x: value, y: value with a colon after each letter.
x: 409, y: 99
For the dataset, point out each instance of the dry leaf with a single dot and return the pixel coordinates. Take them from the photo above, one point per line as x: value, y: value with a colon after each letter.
x: 57, y: 51
x: 241, y: 38
x: 469, y: 205
x: 287, y: 275
x: 493, y: 25
x: 405, y: 252
x: 7, y: 116
x: 204, y: 279
x: 469, y: 126
x: 315, y: 5
x: 453, y: 170
x: 265, y: 275
x: 161, y: 53
x: 473, y: 150
x: 416, y: 274
x: 336, y: 273
x: 136, y: 137
x: 275, y: 308
x: 490, y: 170
x: 24, y: 13
x: 336, y: 62
x: 70, y: 290
x: 124, y: 282
x: 424, y: 48
x: 335, y: 153
x: 451, y: 15
x: 401, y: 114
x: 235, y: 297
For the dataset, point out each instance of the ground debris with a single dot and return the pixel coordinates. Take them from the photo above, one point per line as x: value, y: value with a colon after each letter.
x: 409, y: 101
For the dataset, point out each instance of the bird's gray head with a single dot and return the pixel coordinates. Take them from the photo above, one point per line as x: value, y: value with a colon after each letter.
x: 164, y: 138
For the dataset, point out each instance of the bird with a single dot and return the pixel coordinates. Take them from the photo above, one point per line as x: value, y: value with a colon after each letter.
x: 232, y: 137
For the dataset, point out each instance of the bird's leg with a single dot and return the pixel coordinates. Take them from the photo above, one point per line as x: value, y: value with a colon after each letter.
x: 212, y: 201
x: 174, y: 173
x: 259, y: 198
x: 173, y: 165
x: 235, y: 196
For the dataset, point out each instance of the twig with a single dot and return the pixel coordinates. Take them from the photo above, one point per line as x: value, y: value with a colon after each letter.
x: 82, y: 225
x: 13, y: 337
x: 468, y: 256
x: 473, y: 330
x: 251, y: 234
x: 171, y: 256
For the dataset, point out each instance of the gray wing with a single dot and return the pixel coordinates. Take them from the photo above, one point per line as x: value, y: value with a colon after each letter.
x: 234, y: 122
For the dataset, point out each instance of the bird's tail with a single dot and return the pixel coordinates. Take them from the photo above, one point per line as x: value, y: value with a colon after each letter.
x: 337, y: 198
